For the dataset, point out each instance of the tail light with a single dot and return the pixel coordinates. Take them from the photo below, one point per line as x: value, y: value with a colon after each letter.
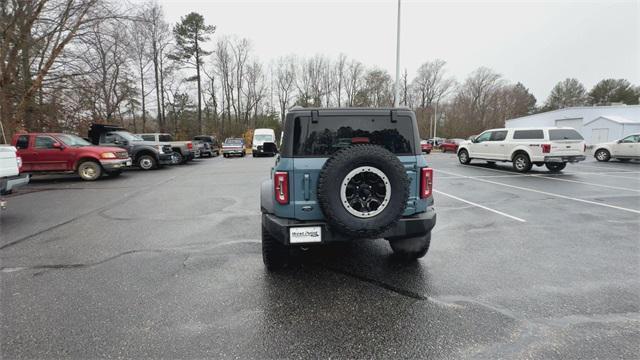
x: 189, y: 145
x: 281, y: 187
x: 19, y: 162
x: 426, y: 182
x: 360, y: 140
x: 546, y: 148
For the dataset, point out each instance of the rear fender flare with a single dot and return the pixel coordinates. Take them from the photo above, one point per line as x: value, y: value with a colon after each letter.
x: 267, y: 204
x: 519, y: 149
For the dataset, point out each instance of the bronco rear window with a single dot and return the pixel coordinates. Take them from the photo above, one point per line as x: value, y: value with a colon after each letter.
x: 332, y: 133
x: 564, y: 134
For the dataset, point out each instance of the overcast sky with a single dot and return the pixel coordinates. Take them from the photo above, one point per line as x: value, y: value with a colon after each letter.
x: 535, y: 42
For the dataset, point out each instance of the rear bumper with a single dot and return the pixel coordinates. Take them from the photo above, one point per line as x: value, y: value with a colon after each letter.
x: 563, y: 159
x: 165, y: 159
x: 9, y: 183
x: 115, y: 164
x: 413, y: 226
x: 260, y: 151
x: 233, y: 151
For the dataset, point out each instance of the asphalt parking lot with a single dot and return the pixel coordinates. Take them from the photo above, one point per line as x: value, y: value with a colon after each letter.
x: 167, y: 264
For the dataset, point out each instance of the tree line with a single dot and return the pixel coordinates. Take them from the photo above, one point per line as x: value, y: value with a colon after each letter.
x: 67, y: 63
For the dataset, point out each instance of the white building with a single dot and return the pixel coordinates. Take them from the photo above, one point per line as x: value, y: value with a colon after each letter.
x: 595, y: 123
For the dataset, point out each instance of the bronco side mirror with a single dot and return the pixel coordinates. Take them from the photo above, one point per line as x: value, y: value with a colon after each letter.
x: 57, y: 145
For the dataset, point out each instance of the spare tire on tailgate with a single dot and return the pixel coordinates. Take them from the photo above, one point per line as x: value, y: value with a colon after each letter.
x: 363, y: 190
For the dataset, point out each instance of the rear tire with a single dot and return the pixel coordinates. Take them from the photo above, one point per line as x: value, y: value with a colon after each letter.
x: 602, y: 155
x: 89, y: 170
x: 522, y: 163
x: 555, y: 167
x: 463, y: 157
x: 274, y: 254
x: 411, y: 248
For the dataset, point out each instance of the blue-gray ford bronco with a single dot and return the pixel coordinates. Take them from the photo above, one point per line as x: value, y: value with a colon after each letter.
x: 345, y: 175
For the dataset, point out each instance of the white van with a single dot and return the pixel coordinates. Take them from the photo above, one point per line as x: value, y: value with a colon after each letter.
x: 261, y: 136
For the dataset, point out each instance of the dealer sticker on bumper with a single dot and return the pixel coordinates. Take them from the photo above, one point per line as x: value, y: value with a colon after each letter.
x: 307, y: 234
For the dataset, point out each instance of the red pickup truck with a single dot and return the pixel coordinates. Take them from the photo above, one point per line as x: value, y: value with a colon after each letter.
x: 53, y: 152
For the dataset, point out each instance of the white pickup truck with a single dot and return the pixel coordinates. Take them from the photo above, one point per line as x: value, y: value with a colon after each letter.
x: 10, y: 177
x: 183, y: 151
x: 524, y: 147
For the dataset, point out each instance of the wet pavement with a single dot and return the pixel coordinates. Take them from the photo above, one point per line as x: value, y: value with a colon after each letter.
x: 167, y: 264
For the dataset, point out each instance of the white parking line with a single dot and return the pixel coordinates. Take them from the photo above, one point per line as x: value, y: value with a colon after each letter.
x: 586, y: 183
x: 545, y: 193
x: 480, y: 206
x: 480, y: 176
x: 611, y: 174
x: 604, y: 168
x: 542, y: 176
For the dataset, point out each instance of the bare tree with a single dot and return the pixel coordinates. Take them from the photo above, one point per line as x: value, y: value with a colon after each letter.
x: 304, y: 83
x: 405, y: 88
x: 327, y: 81
x: 285, y: 82
x: 35, y: 28
x: 141, y: 51
x: 353, y: 81
x: 225, y: 68
x: 430, y: 83
x: 240, y: 49
x: 340, y: 72
x: 159, y: 39
x: 107, y: 81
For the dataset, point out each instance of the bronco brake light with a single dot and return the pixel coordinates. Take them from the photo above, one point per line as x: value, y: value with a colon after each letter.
x: 360, y: 140
x: 189, y: 145
x: 19, y: 163
x: 426, y: 182
x: 281, y: 187
x: 546, y: 148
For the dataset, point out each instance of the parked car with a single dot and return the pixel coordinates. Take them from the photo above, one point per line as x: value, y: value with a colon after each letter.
x: 145, y: 154
x: 183, y: 151
x: 435, y: 141
x: 625, y: 149
x: 321, y: 191
x: 425, y: 146
x: 213, y: 148
x: 66, y: 153
x: 524, y: 147
x: 233, y: 146
x: 450, y: 145
x: 10, y: 168
x: 260, y: 137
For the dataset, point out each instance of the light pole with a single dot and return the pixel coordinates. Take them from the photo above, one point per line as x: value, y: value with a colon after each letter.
x: 396, y: 101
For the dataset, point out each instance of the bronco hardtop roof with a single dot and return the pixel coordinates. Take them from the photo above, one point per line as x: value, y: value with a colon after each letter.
x: 349, y: 111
